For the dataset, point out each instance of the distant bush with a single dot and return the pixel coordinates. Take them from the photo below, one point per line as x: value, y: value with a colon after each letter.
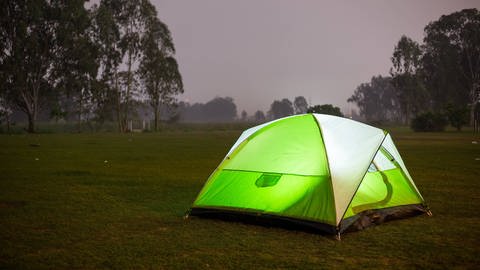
x: 325, y: 109
x: 429, y: 122
x: 457, y: 116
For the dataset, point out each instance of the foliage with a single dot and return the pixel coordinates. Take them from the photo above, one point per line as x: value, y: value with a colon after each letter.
x: 300, y: 105
x: 282, y: 108
x: 457, y: 116
x: 76, y: 60
x: 452, y: 59
x: 429, y: 122
x: 244, y: 116
x: 218, y: 109
x: 158, y: 69
x: 326, y: 109
x: 377, y: 100
x: 259, y: 116
x: 121, y: 26
x: 406, y: 77
x: 58, y: 53
x: 442, y: 72
x: 26, y: 54
x: 57, y: 113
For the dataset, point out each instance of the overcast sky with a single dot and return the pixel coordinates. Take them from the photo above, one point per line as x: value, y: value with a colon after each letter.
x: 256, y: 51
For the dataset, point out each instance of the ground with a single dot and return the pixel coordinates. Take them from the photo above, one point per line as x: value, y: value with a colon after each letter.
x: 110, y: 200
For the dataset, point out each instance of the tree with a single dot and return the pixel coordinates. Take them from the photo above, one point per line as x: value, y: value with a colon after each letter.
x: 57, y: 113
x: 220, y: 110
x: 406, y: 77
x: 5, y: 112
x: 158, y: 69
x: 105, y: 93
x: 300, y: 105
x: 452, y: 59
x: 377, y: 100
x: 281, y: 108
x: 121, y: 25
x: 132, y: 19
x: 457, y: 116
x: 259, y: 116
x: 26, y: 34
x: 326, y: 109
x: 244, y: 116
x: 76, y: 57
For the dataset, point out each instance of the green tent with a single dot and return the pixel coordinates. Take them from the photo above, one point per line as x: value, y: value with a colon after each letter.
x: 332, y: 173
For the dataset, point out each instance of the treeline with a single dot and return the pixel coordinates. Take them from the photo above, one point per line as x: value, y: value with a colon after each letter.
x: 93, y: 63
x: 224, y: 109
x: 438, y: 79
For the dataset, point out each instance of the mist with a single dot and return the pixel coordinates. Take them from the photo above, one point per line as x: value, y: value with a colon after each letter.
x: 260, y: 51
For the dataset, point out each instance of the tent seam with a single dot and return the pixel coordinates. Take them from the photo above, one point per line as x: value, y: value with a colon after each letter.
x: 329, y: 172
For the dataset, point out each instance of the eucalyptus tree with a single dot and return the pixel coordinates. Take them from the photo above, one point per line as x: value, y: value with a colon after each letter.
x: 121, y: 25
x: 406, y: 77
x: 452, y: 60
x: 106, y: 35
x: 158, y: 68
x: 75, y: 56
x: 26, y: 34
x: 326, y: 109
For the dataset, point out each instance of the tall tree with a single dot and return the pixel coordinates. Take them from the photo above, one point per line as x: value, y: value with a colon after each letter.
x: 26, y: 34
x: 377, y: 100
x: 158, y: 69
x: 300, y: 105
x: 75, y: 57
x: 106, y: 94
x: 121, y: 25
x: 452, y: 59
x: 406, y: 77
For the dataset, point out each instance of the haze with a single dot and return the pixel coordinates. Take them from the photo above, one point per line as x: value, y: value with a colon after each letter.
x: 258, y: 51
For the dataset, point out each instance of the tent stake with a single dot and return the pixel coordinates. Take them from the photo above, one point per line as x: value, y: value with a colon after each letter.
x: 337, y: 236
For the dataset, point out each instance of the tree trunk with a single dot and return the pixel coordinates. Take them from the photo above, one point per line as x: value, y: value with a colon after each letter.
x: 8, y: 123
x: 156, y: 117
x: 472, y: 114
x: 407, y: 114
x: 129, y: 85
x: 79, y: 127
x: 475, y: 98
x: 31, y: 122
x: 118, y: 110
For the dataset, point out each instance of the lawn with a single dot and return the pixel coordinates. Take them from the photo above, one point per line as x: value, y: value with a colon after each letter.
x: 116, y: 201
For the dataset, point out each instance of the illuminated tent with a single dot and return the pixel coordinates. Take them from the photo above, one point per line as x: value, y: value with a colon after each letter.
x: 332, y: 173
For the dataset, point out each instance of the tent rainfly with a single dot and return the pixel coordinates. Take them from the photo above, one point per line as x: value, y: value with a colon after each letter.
x: 332, y: 173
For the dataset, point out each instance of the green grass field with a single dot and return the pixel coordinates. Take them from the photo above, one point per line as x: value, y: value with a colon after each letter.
x: 117, y: 200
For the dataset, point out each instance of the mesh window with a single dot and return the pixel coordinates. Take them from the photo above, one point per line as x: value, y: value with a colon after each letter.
x: 267, y: 180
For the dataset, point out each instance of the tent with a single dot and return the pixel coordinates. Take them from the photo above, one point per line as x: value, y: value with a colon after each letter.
x: 329, y: 172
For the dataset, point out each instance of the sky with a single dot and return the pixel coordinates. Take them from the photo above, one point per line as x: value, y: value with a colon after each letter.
x: 258, y: 51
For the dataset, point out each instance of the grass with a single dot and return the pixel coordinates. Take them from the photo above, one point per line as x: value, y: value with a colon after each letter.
x: 117, y: 200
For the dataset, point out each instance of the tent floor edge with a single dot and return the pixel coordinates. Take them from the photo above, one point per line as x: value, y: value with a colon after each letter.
x: 266, y: 220
x: 369, y: 218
